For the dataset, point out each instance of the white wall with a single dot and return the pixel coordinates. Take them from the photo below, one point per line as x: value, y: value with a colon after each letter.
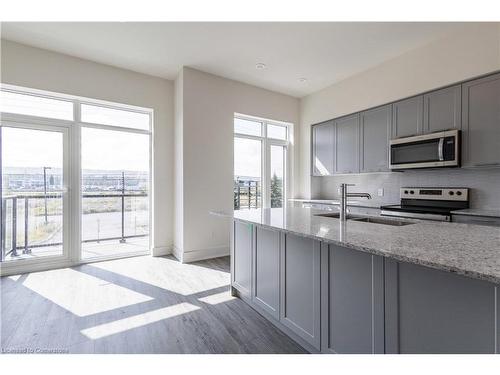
x: 473, y: 51
x: 36, y: 68
x: 209, y: 105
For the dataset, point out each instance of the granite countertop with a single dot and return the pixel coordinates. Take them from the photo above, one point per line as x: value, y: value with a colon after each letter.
x: 336, y: 202
x: 477, y: 212
x: 465, y: 249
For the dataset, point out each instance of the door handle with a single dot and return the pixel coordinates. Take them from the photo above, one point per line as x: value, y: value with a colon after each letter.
x: 440, y: 149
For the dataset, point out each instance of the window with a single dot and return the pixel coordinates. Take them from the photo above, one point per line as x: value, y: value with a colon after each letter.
x: 260, y: 163
x: 277, y: 132
x: 247, y: 127
x: 27, y: 104
x: 115, y: 117
x: 44, y: 210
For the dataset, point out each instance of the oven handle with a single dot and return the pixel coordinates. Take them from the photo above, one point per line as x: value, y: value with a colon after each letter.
x: 441, y: 149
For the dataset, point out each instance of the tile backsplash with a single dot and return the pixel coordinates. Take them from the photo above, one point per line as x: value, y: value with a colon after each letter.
x: 484, y: 184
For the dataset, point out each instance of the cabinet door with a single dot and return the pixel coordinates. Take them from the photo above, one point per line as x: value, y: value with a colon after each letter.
x: 352, y: 301
x: 443, y: 109
x: 481, y: 122
x: 407, y: 117
x: 375, y: 130
x: 242, y: 257
x: 323, y: 149
x: 266, y: 290
x: 300, y: 288
x: 432, y: 311
x: 347, y: 144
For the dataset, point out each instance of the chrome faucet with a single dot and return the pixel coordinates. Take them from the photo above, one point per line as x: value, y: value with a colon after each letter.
x: 343, y: 199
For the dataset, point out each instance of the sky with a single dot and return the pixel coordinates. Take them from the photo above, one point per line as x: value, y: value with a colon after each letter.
x: 247, y: 158
x: 101, y: 149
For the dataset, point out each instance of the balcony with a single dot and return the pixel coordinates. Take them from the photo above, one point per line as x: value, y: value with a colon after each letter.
x: 112, y: 224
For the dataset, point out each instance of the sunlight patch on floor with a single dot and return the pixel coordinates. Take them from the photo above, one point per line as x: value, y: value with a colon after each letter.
x: 81, y: 294
x: 215, y: 299
x: 168, y: 274
x: 137, y: 321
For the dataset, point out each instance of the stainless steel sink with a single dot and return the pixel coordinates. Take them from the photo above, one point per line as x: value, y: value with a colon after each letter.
x: 379, y: 220
x: 368, y: 219
x: 336, y: 215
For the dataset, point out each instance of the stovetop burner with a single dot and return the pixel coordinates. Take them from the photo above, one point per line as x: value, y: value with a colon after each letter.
x: 428, y: 203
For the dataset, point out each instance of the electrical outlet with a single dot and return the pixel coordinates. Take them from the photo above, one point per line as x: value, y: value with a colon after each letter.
x: 380, y: 192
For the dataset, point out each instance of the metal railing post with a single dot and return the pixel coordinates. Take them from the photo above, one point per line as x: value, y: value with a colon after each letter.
x: 239, y: 195
x: 249, y: 194
x: 122, y: 240
x: 2, y: 229
x: 26, y: 226
x: 14, y: 226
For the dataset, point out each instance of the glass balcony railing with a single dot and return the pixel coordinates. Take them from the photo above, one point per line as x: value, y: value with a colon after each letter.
x: 32, y: 223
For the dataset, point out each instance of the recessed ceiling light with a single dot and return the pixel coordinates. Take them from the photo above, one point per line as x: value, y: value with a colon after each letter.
x: 302, y: 80
x: 260, y: 66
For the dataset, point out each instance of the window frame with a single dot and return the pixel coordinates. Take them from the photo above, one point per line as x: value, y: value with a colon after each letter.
x: 266, y: 156
x: 74, y: 189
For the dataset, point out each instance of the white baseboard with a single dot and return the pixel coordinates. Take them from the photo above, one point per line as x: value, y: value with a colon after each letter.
x: 196, y: 255
x: 161, y: 251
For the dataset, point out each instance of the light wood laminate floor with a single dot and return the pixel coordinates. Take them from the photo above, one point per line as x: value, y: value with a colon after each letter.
x: 133, y: 305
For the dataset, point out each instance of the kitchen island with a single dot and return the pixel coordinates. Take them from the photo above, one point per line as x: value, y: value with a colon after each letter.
x: 362, y: 286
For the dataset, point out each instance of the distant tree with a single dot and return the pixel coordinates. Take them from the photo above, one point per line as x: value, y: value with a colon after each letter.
x: 276, y: 192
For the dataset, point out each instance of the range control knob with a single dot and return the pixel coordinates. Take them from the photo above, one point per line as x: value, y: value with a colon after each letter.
x: 406, y: 191
x: 412, y: 192
x: 459, y: 193
x: 451, y: 192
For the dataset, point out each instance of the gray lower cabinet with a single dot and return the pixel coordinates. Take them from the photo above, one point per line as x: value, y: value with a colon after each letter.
x: 347, y: 144
x: 431, y: 311
x: 352, y: 300
x: 481, y: 122
x: 323, y: 143
x: 374, y: 135
x: 407, y: 117
x: 266, y: 272
x: 300, y: 288
x: 443, y: 109
x: 241, y: 257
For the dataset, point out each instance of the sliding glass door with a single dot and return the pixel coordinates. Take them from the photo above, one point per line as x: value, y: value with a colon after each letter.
x: 75, y: 180
x: 34, y: 205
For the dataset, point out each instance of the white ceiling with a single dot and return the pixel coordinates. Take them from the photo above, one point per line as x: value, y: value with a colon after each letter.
x: 324, y: 53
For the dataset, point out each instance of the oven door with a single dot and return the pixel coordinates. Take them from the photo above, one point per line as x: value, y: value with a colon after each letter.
x: 434, y: 150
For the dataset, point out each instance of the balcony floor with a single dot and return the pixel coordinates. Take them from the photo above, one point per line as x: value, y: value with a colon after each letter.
x: 91, y: 249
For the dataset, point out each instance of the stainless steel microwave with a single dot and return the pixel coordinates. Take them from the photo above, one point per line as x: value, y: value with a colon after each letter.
x: 436, y: 150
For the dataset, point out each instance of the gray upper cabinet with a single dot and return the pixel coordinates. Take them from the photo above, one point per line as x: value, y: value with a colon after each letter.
x: 481, y: 122
x: 352, y: 300
x: 267, y: 270
x: 407, y: 117
x: 323, y: 149
x: 347, y: 144
x: 300, y: 288
x: 431, y: 312
x: 242, y: 257
x: 374, y: 135
x: 442, y: 109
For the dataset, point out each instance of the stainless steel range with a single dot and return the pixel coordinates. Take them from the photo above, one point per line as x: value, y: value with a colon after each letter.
x: 428, y: 203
